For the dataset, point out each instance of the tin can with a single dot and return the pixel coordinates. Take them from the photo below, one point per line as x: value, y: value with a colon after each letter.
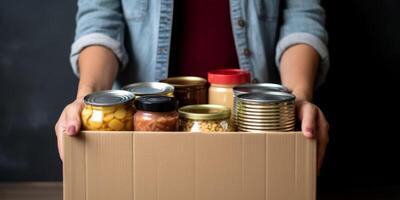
x: 189, y: 90
x: 265, y: 111
x: 259, y: 87
x: 108, y: 110
x: 256, y: 88
x: 150, y: 89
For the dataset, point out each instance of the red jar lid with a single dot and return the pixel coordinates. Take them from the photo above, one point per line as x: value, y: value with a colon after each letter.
x: 228, y: 76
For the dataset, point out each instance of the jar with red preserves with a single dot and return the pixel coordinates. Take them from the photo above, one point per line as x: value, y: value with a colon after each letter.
x: 156, y: 113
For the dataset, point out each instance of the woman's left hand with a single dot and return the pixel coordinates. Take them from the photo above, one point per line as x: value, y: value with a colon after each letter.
x: 313, y: 125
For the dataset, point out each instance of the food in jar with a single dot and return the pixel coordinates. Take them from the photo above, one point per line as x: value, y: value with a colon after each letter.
x: 189, y: 90
x: 204, y: 126
x: 108, y: 110
x: 205, y: 118
x: 150, y: 89
x: 156, y: 113
x: 222, y: 82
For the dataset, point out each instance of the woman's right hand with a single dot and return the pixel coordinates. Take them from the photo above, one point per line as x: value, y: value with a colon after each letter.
x: 69, y: 123
x: 98, y: 68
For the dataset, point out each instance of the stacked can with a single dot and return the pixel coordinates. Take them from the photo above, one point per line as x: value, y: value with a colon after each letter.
x: 254, y: 88
x: 266, y: 111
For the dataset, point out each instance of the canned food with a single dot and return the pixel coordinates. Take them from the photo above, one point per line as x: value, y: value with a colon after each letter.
x: 256, y: 88
x: 108, y: 110
x: 150, y: 89
x: 259, y: 87
x: 189, y: 90
x: 267, y: 111
x: 205, y: 118
x: 156, y: 113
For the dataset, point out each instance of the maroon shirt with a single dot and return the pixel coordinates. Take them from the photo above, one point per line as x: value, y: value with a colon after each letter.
x: 202, y: 38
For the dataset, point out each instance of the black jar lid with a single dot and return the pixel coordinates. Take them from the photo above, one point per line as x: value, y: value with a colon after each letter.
x: 157, y: 103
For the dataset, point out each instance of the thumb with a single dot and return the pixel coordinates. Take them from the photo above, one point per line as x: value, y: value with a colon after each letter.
x: 73, y: 120
x: 308, y: 115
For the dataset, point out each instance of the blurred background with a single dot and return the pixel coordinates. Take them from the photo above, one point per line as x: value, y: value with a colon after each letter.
x: 358, y: 98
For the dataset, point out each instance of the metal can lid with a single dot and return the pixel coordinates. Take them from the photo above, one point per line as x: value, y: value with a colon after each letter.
x: 259, y: 87
x: 149, y: 88
x: 266, y: 97
x: 205, y: 112
x: 108, y: 98
x: 185, y: 81
x: 157, y: 104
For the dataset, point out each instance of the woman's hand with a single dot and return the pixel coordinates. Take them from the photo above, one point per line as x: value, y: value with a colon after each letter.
x: 68, y: 123
x: 313, y: 125
x: 98, y: 68
x: 299, y: 66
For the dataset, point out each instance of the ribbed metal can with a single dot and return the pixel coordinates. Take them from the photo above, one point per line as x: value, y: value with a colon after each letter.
x: 264, y: 111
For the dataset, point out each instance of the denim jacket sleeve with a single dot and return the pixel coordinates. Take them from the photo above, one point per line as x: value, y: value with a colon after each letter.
x: 99, y: 22
x: 303, y: 23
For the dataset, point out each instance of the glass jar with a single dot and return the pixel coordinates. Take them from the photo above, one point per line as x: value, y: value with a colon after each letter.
x: 205, y: 118
x: 108, y: 110
x: 222, y: 82
x: 156, y: 113
x: 189, y: 90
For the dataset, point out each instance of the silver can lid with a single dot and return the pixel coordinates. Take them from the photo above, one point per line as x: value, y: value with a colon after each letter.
x: 149, y: 88
x: 266, y: 97
x: 259, y: 87
x: 108, y: 98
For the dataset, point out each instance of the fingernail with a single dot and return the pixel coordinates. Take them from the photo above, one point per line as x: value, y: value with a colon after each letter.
x: 71, y: 130
x: 310, y: 131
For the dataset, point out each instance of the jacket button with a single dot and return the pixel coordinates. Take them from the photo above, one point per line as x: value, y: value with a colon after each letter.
x: 246, y: 52
x: 241, y: 23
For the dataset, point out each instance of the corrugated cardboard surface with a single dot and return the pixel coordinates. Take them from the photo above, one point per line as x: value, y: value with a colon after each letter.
x: 187, y: 166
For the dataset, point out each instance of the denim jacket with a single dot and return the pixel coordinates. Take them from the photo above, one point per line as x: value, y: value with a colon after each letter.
x: 139, y: 34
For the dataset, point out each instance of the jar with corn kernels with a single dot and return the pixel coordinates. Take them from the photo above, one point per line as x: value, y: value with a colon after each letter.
x: 108, y: 110
x: 205, y: 118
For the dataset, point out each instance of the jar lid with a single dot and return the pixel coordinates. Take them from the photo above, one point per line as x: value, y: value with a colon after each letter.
x: 259, y: 87
x: 204, y: 112
x: 185, y: 81
x: 108, y: 98
x: 229, y: 76
x: 266, y: 97
x: 157, y: 103
x: 149, y: 88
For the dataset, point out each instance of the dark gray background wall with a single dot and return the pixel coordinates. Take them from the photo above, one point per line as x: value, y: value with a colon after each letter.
x: 35, y: 83
x: 358, y: 97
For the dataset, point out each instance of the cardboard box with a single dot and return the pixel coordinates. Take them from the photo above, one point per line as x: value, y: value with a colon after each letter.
x: 189, y: 166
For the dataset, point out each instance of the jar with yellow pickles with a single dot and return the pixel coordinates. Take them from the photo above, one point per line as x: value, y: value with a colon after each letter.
x: 108, y: 110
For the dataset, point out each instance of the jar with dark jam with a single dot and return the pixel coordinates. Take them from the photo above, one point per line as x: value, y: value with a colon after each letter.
x: 156, y: 113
